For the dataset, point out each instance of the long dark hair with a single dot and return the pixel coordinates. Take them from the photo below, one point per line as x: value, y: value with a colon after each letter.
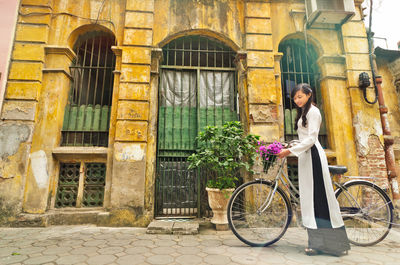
x: 302, y: 112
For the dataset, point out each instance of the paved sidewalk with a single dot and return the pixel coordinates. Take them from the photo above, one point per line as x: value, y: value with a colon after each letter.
x: 100, y: 245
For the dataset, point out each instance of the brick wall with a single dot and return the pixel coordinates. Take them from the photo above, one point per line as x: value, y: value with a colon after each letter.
x: 373, y: 164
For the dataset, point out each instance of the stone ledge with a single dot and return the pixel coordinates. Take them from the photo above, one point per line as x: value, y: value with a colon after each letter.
x: 65, y: 152
x: 61, y: 217
x: 185, y: 228
x: 160, y: 227
x: 173, y: 227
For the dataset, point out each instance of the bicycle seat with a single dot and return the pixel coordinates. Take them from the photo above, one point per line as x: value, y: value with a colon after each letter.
x: 337, y: 170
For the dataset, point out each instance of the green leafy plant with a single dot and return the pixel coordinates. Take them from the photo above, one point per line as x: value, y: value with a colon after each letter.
x: 224, y: 151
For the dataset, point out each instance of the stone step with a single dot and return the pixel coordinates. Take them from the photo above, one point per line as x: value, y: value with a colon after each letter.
x: 62, y: 217
x: 171, y: 226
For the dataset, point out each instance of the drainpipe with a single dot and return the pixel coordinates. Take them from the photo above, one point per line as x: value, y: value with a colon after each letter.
x: 388, y: 144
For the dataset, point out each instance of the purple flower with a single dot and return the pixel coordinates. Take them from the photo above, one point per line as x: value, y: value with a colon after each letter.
x: 271, y: 149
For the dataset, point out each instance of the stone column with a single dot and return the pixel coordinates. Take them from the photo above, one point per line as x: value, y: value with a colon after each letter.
x: 337, y: 111
x: 261, y: 81
x: 132, y: 120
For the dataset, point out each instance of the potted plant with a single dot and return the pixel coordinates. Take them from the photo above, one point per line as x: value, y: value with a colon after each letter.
x: 223, y: 151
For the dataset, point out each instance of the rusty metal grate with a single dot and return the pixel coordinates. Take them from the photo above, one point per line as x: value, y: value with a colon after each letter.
x: 68, y: 183
x: 81, y: 190
x: 95, y: 179
x: 87, y: 114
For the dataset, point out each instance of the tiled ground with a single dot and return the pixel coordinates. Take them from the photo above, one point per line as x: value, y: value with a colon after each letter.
x: 99, y: 245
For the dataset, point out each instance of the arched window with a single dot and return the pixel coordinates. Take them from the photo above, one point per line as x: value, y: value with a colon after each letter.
x: 87, y: 114
x: 197, y: 88
x: 298, y: 65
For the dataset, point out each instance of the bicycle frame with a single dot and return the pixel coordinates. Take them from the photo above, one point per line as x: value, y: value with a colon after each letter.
x: 282, y: 177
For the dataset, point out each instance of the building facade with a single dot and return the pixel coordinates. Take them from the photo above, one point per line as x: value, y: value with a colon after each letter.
x: 104, y: 99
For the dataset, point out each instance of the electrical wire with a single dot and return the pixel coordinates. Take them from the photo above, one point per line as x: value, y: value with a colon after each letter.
x: 100, y: 9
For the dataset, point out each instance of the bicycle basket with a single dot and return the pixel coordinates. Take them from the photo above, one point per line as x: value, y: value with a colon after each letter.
x: 269, y: 161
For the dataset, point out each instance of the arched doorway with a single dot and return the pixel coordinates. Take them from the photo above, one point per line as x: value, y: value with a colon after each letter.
x: 197, y: 88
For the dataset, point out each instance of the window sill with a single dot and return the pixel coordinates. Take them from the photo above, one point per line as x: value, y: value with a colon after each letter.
x: 80, y: 153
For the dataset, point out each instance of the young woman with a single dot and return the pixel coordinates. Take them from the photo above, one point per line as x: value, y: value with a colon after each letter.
x: 319, y: 208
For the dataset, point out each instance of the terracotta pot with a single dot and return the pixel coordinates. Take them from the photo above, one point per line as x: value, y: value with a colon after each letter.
x: 218, y: 201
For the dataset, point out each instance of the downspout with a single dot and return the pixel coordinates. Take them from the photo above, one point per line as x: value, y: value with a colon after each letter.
x: 387, y: 138
x: 388, y: 144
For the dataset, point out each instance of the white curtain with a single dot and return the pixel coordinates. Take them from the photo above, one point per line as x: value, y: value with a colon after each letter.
x: 216, y: 89
x: 178, y: 88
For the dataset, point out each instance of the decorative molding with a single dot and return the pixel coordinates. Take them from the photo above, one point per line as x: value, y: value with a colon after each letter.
x: 67, y: 152
x: 241, y: 62
x: 57, y: 70
x: 298, y: 17
x: 335, y: 77
x: 278, y: 56
x: 156, y: 58
x: 117, y: 50
x: 324, y: 59
x: 63, y: 50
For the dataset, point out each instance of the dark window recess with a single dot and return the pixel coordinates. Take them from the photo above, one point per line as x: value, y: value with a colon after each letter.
x: 87, y: 114
x: 298, y: 65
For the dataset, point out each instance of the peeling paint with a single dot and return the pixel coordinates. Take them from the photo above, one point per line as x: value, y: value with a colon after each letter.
x: 395, y: 186
x: 39, y: 168
x: 131, y: 152
x: 11, y: 137
x: 364, y: 126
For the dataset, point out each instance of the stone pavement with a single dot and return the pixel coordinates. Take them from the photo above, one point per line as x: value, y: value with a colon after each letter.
x: 104, y: 245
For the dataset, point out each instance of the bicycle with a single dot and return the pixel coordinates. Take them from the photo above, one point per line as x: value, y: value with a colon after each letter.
x: 260, y: 211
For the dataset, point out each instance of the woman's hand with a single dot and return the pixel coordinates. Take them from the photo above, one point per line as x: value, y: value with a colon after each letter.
x: 284, y: 153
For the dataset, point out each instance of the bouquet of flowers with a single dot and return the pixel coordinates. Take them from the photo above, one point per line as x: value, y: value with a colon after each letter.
x: 268, y: 153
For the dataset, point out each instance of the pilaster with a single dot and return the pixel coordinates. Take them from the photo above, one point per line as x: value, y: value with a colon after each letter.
x: 336, y: 104
x: 261, y: 79
x: 133, y: 111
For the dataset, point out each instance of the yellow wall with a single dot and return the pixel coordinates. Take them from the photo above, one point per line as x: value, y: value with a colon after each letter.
x: 39, y: 82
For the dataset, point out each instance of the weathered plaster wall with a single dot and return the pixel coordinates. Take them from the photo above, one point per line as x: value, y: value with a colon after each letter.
x: 37, y: 91
x: 39, y: 81
x: 222, y: 19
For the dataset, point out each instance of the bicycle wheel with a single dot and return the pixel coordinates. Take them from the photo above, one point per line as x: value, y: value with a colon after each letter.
x: 249, y: 218
x: 367, y: 212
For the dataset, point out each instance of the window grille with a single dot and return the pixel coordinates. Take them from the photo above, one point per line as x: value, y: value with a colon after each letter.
x: 197, y: 88
x: 298, y: 65
x: 68, y: 182
x: 90, y: 184
x: 87, y: 114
